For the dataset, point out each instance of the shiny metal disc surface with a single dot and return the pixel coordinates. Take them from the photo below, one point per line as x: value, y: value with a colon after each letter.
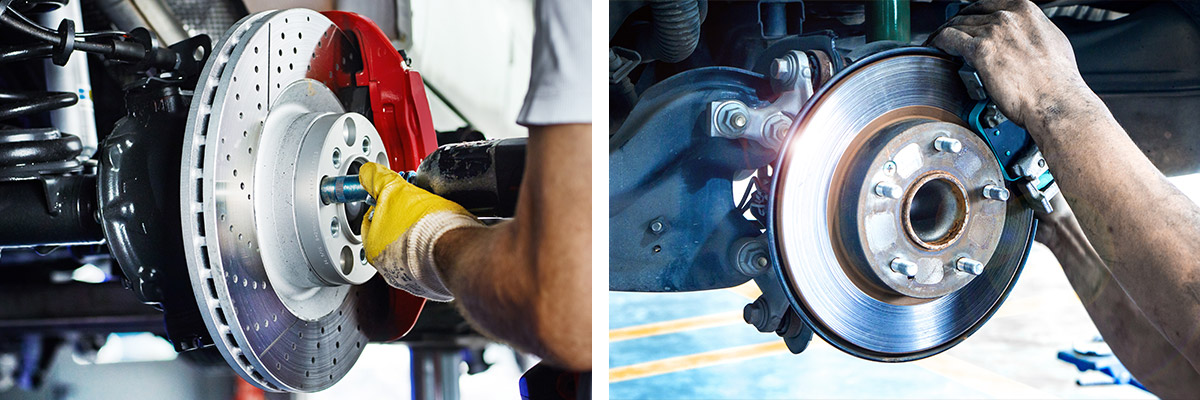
x: 800, y: 217
x: 269, y: 344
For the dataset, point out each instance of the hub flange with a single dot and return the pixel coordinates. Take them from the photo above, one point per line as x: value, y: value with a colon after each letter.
x: 939, y: 208
x: 851, y: 303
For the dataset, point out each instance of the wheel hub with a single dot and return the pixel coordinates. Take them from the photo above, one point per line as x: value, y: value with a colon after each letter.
x: 897, y: 184
x: 883, y: 237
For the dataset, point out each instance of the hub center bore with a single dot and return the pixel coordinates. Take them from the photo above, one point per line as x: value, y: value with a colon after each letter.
x: 935, y: 210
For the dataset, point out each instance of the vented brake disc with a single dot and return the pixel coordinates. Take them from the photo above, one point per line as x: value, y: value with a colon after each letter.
x: 894, y: 233
x: 275, y: 270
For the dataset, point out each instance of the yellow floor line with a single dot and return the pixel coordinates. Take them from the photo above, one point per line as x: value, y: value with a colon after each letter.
x: 674, y: 326
x: 748, y: 290
x: 693, y: 361
x: 993, y: 384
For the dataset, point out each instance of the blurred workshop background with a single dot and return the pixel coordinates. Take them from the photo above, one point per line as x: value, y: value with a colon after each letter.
x: 696, y: 345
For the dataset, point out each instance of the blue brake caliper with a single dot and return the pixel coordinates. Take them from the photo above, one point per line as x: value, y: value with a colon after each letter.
x: 1019, y: 157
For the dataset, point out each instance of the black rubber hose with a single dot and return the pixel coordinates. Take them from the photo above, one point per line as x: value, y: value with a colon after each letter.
x: 25, y: 52
x: 676, y: 28
x: 11, y: 20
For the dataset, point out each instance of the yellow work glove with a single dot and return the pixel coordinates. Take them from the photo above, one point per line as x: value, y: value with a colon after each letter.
x: 400, y: 231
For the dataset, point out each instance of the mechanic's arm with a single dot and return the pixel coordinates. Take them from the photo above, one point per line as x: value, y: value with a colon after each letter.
x: 1134, y: 340
x: 528, y: 280
x: 1141, y: 226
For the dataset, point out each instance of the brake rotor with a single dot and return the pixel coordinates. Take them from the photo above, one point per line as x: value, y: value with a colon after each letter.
x: 878, y: 212
x: 276, y: 272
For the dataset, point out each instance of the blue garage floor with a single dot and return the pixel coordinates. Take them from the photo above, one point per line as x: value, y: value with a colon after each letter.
x: 695, y: 345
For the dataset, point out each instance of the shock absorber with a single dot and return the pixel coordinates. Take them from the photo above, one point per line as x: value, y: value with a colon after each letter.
x: 72, y: 79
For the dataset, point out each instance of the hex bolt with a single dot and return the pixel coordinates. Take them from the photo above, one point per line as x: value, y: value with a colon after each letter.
x: 969, y: 266
x: 781, y: 70
x: 775, y: 129
x: 902, y: 266
x: 949, y: 145
x: 757, y: 314
x: 732, y: 119
x: 994, y: 192
x: 884, y: 189
x: 656, y: 226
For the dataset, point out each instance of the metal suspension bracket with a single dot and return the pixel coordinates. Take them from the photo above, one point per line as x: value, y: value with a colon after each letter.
x: 792, y: 76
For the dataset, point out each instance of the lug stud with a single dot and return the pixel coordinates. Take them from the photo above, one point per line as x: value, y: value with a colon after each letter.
x: 884, y: 189
x: 969, y: 266
x: 994, y: 192
x: 902, y: 266
x: 949, y: 145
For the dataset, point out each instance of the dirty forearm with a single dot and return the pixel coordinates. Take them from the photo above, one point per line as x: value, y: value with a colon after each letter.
x: 491, y: 283
x: 528, y: 281
x: 1139, y: 224
x: 1134, y: 340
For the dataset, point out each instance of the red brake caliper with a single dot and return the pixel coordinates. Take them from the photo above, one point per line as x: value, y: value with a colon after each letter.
x: 400, y: 112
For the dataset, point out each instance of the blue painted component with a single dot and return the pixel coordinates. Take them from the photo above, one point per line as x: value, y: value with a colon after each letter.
x: 665, y: 167
x: 1045, y: 180
x: 1107, y: 364
x: 1007, y: 140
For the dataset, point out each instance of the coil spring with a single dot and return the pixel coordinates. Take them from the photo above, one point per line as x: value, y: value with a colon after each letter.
x: 17, y: 146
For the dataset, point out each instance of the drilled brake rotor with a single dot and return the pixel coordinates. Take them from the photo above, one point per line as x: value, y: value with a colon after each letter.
x: 862, y: 183
x: 275, y: 271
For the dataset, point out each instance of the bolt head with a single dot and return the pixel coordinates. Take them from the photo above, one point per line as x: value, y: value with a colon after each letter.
x: 762, y: 261
x: 776, y: 128
x: 738, y: 120
x: 781, y: 69
x: 889, y: 167
x: 656, y: 226
x: 731, y: 119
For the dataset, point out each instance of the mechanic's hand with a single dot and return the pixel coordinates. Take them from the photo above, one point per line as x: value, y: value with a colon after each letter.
x: 1026, y: 63
x: 400, y: 231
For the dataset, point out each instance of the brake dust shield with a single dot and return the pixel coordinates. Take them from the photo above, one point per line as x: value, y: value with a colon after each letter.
x: 282, y: 278
x: 875, y: 226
